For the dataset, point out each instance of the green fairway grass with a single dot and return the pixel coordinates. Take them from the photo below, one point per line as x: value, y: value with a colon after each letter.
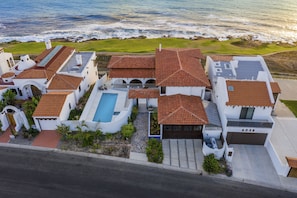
x: 207, y: 46
x: 292, y: 105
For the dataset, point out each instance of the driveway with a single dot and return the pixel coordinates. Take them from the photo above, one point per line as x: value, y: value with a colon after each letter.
x: 252, y: 163
x: 183, y: 153
x: 48, y: 139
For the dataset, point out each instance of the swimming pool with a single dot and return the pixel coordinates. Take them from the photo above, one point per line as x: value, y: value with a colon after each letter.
x: 105, y: 108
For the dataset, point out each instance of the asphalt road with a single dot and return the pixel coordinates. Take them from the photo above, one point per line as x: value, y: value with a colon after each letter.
x: 27, y: 173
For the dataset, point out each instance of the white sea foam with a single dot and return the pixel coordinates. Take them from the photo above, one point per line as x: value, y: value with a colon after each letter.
x: 184, y: 19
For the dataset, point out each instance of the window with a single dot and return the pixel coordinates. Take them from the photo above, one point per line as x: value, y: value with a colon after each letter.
x: 69, y: 106
x: 247, y: 113
x: 79, y: 88
x: 163, y: 90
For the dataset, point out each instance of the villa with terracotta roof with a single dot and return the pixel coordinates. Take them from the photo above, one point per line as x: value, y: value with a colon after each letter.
x: 174, y: 82
x: 56, y: 71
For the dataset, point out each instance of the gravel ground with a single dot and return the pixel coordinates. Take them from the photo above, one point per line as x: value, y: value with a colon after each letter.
x: 140, y: 137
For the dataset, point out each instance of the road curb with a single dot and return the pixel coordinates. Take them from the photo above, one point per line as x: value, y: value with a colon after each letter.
x: 150, y: 164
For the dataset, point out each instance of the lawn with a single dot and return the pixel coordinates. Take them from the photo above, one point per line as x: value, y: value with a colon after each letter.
x: 292, y: 105
x: 139, y: 45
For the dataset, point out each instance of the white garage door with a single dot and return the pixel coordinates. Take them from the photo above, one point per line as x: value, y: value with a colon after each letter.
x: 48, y: 123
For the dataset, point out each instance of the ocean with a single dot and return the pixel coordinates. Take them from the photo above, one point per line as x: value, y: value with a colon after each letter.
x: 81, y: 20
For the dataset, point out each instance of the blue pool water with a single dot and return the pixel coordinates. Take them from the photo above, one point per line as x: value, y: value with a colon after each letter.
x: 105, y: 108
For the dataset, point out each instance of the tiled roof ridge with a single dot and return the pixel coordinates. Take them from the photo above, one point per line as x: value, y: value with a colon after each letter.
x: 168, y: 77
x: 169, y: 115
x: 61, y: 77
x: 183, y: 107
x: 118, y: 60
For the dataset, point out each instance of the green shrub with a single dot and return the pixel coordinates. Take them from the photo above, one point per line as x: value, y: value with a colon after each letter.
x: 75, y: 114
x: 127, y: 131
x: 211, y: 165
x: 154, y: 151
x: 133, y: 113
x: 99, y: 135
x: 64, y: 131
x: 84, y: 139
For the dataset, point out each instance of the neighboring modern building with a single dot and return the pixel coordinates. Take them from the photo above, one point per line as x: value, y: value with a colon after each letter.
x: 245, y: 93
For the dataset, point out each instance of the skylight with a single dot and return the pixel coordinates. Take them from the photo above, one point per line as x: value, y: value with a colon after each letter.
x: 49, y: 57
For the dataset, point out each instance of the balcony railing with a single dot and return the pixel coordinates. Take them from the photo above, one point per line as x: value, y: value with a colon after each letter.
x: 249, y: 123
x: 134, y: 85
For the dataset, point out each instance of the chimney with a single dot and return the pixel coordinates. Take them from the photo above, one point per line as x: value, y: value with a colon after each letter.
x: 160, y: 47
x: 48, y: 44
x: 78, y: 58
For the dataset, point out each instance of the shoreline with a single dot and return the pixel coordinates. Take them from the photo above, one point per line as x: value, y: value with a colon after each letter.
x: 248, y: 38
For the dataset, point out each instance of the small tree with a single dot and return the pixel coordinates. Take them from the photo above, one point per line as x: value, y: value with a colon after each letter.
x: 9, y: 97
x: 154, y: 151
x: 211, y: 165
x: 29, y: 108
x: 65, y: 131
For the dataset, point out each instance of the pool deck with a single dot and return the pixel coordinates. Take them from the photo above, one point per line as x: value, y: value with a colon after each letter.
x: 119, y: 106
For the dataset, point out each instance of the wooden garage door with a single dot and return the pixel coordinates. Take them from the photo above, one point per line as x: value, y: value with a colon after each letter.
x: 246, y: 138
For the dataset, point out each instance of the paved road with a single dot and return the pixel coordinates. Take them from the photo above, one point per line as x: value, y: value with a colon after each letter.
x: 26, y: 173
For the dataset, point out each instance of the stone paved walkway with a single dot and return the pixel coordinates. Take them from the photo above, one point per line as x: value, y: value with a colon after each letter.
x: 140, y: 137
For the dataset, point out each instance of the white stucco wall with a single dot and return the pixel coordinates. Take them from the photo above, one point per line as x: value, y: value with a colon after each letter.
x: 152, y: 102
x: 4, y: 57
x: 207, y: 133
x: 190, y: 91
x: 4, y: 121
x: 70, y: 99
x: 260, y: 113
x: 281, y: 168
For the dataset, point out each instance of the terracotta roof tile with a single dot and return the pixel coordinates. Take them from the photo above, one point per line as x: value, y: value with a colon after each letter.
x: 51, y: 104
x: 275, y: 87
x: 181, y: 110
x: 7, y: 75
x: 65, y: 82
x: 180, y: 67
x: 50, y: 68
x: 35, y: 74
x: 221, y: 58
x: 144, y: 93
x: 292, y: 161
x: 247, y: 93
x: 128, y: 62
x: 132, y: 67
